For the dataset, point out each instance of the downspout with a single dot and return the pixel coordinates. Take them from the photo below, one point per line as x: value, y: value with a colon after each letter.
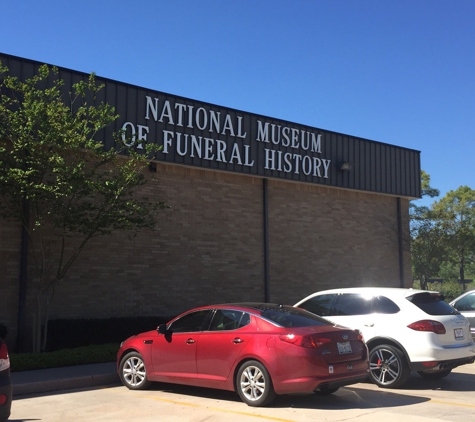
x: 266, y: 242
x: 400, y: 243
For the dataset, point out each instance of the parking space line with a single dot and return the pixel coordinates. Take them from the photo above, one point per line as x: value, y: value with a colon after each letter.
x: 184, y: 403
x: 451, y: 403
x: 218, y: 409
x: 270, y: 418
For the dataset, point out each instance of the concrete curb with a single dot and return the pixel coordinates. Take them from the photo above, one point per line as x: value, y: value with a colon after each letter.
x: 65, y: 384
x: 67, y: 378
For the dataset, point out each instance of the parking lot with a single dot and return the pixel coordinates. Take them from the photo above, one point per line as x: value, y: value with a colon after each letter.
x: 450, y: 399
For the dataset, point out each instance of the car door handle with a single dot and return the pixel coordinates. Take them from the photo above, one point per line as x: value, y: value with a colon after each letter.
x: 190, y: 341
x: 237, y: 340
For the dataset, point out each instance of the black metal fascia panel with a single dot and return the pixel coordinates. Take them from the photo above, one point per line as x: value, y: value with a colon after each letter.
x: 198, y: 134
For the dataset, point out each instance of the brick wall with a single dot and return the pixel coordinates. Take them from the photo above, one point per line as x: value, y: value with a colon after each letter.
x: 323, y: 238
x: 9, y: 274
x: 209, y: 248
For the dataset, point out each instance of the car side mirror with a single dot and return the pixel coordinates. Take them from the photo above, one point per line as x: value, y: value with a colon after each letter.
x: 162, y: 329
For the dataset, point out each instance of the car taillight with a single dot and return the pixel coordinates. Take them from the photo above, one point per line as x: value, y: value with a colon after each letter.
x: 3, y: 399
x: 430, y: 364
x: 310, y: 341
x: 428, y: 325
x: 4, y: 359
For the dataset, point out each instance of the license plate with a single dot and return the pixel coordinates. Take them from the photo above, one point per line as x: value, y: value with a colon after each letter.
x: 458, y: 333
x: 344, y: 347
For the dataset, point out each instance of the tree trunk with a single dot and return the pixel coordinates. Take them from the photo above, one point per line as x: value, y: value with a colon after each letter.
x: 462, y: 271
x: 37, y: 324
x: 45, y: 327
x: 423, y: 283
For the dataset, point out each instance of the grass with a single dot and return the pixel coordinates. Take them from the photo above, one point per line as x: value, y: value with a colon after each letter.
x: 98, y: 353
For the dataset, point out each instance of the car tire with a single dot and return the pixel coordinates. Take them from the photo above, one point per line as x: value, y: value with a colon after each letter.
x: 326, y: 392
x: 254, y: 384
x: 433, y: 376
x: 132, y: 372
x: 388, y: 367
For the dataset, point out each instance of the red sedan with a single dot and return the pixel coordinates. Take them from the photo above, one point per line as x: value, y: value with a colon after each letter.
x: 256, y: 349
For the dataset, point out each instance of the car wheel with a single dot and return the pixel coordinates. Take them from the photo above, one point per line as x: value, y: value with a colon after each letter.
x: 388, y: 366
x: 326, y: 392
x: 254, y: 385
x: 433, y: 376
x: 132, y: 371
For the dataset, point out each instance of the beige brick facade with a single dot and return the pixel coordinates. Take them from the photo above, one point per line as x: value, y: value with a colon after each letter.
x: 209, y: 248
x: 9, y: 273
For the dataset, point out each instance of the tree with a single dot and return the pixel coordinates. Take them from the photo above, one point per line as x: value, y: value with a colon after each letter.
x: 419, y: 212
x: 429, y: 251
x: 456, y: 214
x: 58, y: 180
x: 427, y: 237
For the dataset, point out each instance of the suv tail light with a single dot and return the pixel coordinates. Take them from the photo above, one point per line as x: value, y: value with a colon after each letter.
x: 428, y: 325
x: 4, y: 359
x: 310, y: 341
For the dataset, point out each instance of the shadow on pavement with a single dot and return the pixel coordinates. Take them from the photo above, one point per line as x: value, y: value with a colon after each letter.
x: 346, y: 398
x: 23, y: 420
x: 452, y: 382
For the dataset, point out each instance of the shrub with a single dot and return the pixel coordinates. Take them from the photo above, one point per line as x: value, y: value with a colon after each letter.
x: 450, y: 289
x: 66, y: 357
x: 73, y: 333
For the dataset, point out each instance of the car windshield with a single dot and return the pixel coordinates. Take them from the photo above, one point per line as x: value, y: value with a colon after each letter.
x: 432, y: 303
x: 293, y: 317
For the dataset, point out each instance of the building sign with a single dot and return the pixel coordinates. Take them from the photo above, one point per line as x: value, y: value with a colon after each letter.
x: 201, y: 133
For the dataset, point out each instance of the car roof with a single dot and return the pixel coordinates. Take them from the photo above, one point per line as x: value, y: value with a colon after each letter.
x: 256, y: 307
x: 462, y: 295
x: 261, y: 306
x: 388, y: 291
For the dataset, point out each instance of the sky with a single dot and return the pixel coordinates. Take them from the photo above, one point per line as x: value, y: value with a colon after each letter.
x: 400, y: 72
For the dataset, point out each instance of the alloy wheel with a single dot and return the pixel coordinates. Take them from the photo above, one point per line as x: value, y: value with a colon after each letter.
x: 388, y: 367
x: 254, y: 384
x: 133, y: 372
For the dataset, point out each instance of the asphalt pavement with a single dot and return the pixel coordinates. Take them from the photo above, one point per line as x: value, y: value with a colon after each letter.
x: 66, y: 378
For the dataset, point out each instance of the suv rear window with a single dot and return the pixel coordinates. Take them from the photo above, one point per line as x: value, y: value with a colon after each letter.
x: 294, y: 317
x: 431, y: 303
x: 362, y: 304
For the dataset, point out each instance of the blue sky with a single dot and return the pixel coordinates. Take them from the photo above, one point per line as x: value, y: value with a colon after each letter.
x: 400, y: 72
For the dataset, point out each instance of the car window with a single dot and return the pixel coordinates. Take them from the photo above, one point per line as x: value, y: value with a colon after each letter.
x: 190, y: 322
x: 384, y: 305
x: 320, y: 305
x: 353, y: 304
x: 294, y: 317
x: 431, y: 303
x: 467, y: 303
x: 227, y: 319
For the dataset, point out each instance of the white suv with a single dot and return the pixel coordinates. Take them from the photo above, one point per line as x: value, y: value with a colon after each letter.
x: 405, y: 330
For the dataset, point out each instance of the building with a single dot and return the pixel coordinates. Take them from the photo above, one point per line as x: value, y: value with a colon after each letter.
x: 262, y: 209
